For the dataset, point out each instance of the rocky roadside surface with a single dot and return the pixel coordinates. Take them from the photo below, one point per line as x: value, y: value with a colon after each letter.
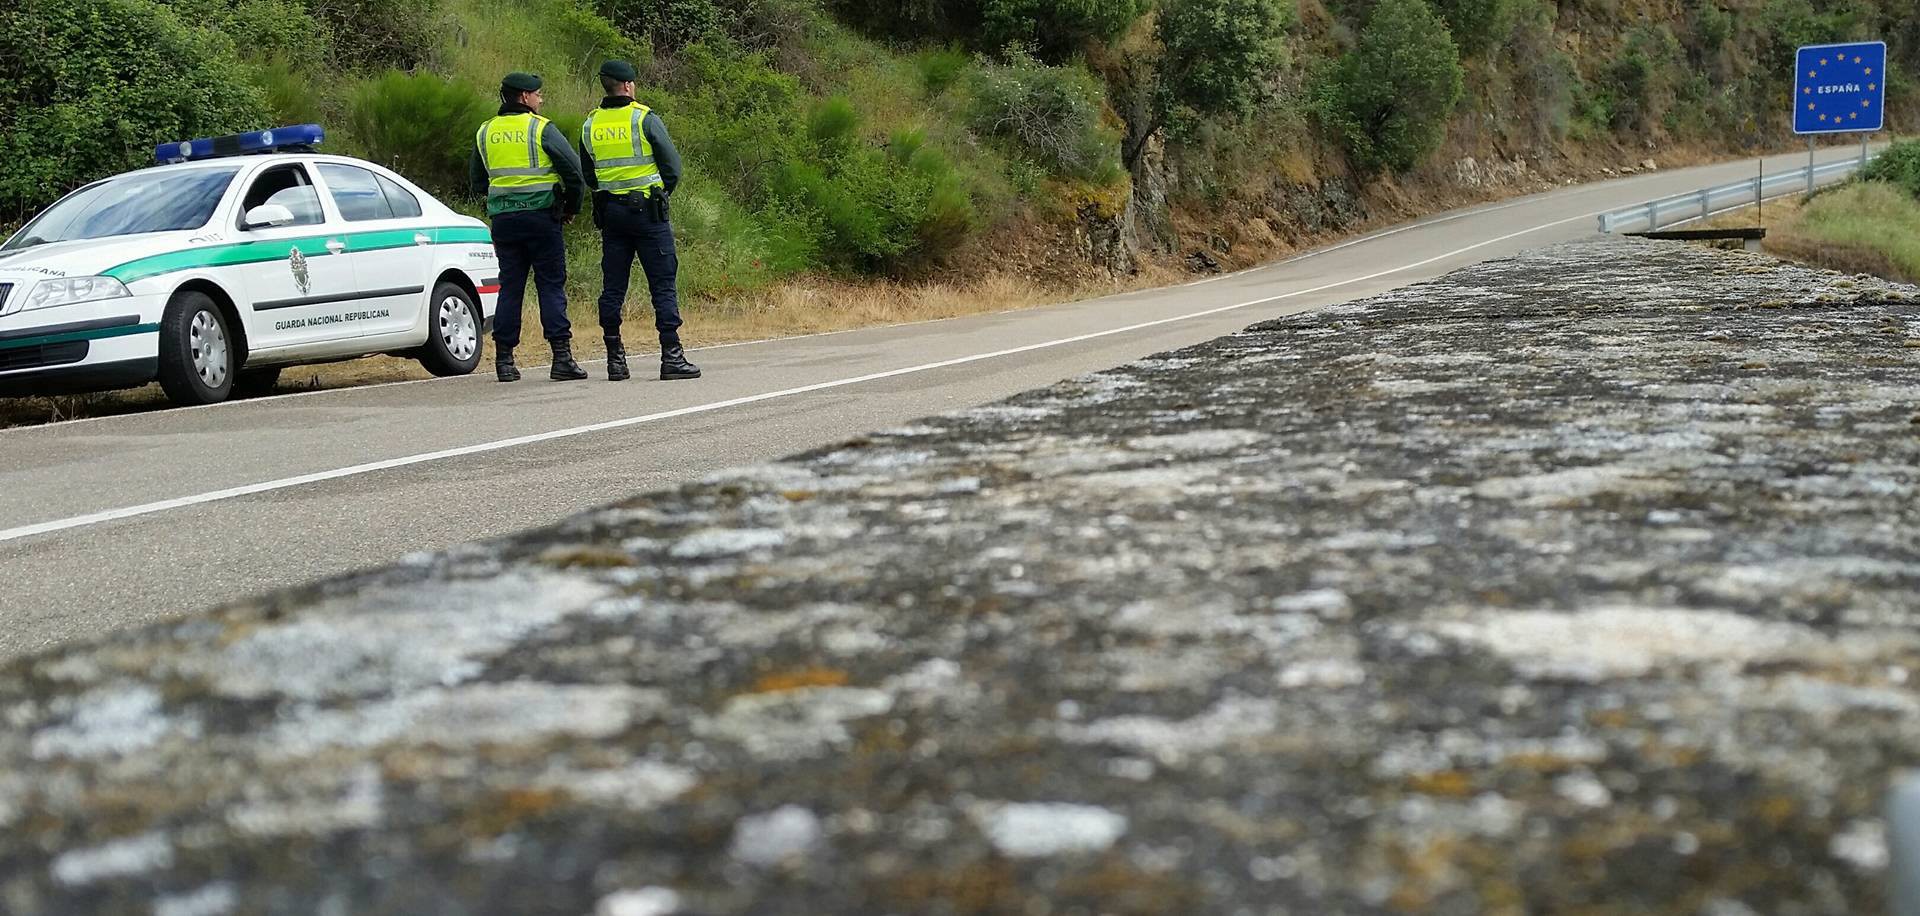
x: 1580, y: 582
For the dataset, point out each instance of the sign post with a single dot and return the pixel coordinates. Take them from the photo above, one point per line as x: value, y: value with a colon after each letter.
x: 1839, y: 89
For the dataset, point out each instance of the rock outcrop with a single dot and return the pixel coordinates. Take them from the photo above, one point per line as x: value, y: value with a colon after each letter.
x: 1582, y: 581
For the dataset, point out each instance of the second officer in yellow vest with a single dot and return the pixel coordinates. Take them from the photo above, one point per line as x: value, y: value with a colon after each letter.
x: 632, y: 167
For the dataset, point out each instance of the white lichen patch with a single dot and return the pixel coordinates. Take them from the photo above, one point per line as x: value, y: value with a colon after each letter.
x: 726, y: 542
x: 640, y: 786
x: 1200, y: 442
x: 117, y: 859
x: 472, y: 716
x: 1554, y: 487
x: 212, y: 900
x: 794, y: 724
x: 1862, y: 845
x: 646, y: 901
x: 355, y: 800
x: 1232, y: 720
x: 110, y: 722
x: 775, y: 838
x: 1627, y: 642
x: 1034, y: 830
x: 393, y: 640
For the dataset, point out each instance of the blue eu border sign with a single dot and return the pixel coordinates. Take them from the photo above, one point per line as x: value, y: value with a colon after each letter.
x: 1840, y: 88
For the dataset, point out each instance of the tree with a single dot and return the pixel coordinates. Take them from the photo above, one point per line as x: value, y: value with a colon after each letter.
x: 1057, y: 28
x: 1477, y: 24
x: 1390, y: 97
x: 1211, y: 58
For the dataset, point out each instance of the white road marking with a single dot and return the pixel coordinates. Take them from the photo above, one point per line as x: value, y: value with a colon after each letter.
x: 112, y: 515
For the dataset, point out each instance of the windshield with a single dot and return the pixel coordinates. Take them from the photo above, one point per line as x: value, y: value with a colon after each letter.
x: 129, y: 205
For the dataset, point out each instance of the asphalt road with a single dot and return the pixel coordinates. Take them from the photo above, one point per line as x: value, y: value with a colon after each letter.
x: 122, y: 521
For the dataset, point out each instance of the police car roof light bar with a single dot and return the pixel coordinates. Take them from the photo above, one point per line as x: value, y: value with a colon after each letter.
x: 290, y: 139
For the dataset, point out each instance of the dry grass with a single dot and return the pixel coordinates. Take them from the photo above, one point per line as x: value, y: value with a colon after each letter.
x: 1869, y: 228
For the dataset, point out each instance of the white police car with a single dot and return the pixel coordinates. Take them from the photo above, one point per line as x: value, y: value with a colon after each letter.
x: 240, y: 256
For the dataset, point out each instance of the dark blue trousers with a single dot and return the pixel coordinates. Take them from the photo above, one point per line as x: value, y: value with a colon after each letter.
x: 627, y: 232
x: 530, y: 239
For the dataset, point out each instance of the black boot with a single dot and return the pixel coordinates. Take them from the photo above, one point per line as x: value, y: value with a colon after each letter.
x: 503, y: 367
x: 617, y: 360
x: 673, y: 363
x: 564, y: 368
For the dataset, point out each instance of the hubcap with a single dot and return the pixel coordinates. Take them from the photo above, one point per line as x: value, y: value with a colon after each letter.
x: 457, y: 329
x: 209, y: 345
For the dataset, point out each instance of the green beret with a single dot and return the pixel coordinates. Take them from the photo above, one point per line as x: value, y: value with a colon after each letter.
x: 619, y: 70
x: 520, y: 82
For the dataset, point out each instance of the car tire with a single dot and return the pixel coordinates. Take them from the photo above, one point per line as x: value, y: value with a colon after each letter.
x: 453, y: 332
x: 196, y: 351
x: 256, y: 383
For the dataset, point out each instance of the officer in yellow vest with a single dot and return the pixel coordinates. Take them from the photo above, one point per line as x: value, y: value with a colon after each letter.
x: 533, y: 184
x: 633, y: 168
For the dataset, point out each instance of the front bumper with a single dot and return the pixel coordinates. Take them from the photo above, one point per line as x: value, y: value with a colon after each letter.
x: 90, y: 347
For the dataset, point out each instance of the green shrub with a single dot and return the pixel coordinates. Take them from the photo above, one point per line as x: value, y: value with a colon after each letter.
x: 832, y: 125
x: 290, y: 94
x: 734, y: 116
x: 1477, y: 25
x: 940, y: 69
x: 1056, y: 28
x: 592, y: 39
x: 726, y: 249
x: 921, y: 20
x: 375, y: 34
x: 281, y: 31
x: 1389, y: 99
x: 668, y: 24
x: 419, y: 125
x: 92, y: 86
x: 1052, y: 114
x: 1899, y: 166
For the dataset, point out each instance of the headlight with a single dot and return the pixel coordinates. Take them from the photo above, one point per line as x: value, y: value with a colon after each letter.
x: 71, y: 290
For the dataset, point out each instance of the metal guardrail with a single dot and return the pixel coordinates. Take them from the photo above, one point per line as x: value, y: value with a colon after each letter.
x: 1680, y: 208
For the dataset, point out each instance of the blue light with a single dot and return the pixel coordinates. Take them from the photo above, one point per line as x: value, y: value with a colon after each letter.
x: 259, y: 141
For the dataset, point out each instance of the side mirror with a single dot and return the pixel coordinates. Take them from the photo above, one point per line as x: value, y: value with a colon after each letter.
x: 267, y: 216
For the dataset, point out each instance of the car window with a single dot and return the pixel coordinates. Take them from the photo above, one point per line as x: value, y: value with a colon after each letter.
x: 355, y: 192
x: 404, y: 204
x: 288, y: 186
x: 163, y: 201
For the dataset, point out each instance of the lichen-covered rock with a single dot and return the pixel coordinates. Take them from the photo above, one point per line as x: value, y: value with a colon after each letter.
x: 1581, y: 581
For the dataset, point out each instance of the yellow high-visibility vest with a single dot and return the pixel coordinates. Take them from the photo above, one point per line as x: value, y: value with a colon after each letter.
x: 516, y: 162
x: 622, y: 157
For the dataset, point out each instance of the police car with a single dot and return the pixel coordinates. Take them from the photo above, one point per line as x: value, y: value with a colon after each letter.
x: 233, y: 258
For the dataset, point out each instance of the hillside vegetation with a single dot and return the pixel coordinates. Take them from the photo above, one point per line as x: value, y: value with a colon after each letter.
x: 915, y: 139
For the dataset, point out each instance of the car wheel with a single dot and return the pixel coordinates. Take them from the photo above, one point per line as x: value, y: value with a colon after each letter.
x: 196, y: 351
x: 453, y: 332
x: 256, y: 383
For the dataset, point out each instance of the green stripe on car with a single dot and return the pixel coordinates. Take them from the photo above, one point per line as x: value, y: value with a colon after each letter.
x: 276, y: 250
x: 95, y: 334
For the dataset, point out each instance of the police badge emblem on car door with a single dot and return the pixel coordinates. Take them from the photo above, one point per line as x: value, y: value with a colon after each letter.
x: 298, y: 262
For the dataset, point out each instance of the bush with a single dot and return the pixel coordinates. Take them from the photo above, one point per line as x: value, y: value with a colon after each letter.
x: 92, y: 86
x: 1390, y: 98
x: 374, y: 34
x: 290, y: 94
x: 1052, y: 114
x: 281, y: 31
x: 669, y: 24
x: 940, y: 70
x: 1056, y: 28
x: 1899, y: 166
x: 420, y: 125
x: 1477, y: 25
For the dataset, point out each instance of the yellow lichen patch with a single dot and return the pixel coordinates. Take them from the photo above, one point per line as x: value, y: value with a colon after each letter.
x: 1122, y: 888
x: 1541, y: 762
x: 977, y: 887
x: 1776, y: 810
x: 1611, y: 718
x: 1446, y: 783
x: 585, y: 558
x: 505, y: 811
x: 798, y: 496
x: 798, y: 679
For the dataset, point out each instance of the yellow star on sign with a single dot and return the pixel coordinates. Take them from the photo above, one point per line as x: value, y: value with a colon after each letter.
x: 1872, y: 87
x: 1856, y: 60
x: 1823, y: 117
x: 1869, y: 71
x: 1809, y: 106
x: 1812, y: 73
x: 1866, y: 103
x: 1823, y: 61
x: 1854, y: 117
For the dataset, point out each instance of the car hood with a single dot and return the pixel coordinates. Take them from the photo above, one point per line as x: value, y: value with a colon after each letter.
x: 88, y: 257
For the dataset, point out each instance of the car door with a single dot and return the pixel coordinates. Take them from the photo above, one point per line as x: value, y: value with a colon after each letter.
x: 295, y: 278
x: 392, y: 254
